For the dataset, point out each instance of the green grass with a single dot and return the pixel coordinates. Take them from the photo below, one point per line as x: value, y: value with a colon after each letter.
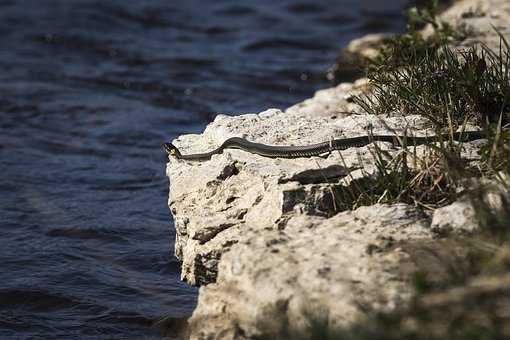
x: 406, y: 178
x: 453, y: 89
x: 425, y: 76
x: 430, y: 180
x: 450, y: 88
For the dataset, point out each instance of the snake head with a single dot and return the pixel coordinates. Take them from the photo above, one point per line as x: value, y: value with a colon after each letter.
x: 171, y: 149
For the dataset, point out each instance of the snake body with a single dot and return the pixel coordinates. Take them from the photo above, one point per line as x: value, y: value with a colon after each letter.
x: 318, y: 149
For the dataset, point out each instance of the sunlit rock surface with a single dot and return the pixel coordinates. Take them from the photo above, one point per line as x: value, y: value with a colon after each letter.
x: 481, y: 20
x: 336, y: 268
x: 486, y: 204
x: 215, y: 202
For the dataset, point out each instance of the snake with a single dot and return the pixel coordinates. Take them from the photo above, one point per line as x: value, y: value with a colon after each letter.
x: 276, y: 151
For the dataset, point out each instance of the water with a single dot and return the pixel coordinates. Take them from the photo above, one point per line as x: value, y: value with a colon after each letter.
x: 88, y: 91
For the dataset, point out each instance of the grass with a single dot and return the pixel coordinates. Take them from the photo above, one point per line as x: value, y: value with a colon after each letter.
x: 425, y: 76
x: 407, y: 177
x: 417, y: 75
x: 349, y: 67
x: 448, y: 87
x: 453, y: 89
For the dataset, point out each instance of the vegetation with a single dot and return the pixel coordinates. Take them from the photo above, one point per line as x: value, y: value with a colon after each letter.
x: 452, y: 88
x: 448, y: 87
x: 425, y: 76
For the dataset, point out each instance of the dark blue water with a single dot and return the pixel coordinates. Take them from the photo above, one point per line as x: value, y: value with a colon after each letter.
x: 88, y: 91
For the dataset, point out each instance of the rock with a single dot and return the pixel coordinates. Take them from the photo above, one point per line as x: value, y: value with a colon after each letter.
x: 214, y: 202
x: 352, y: 60
x: 368, y: 45
x: 332, y: 103
x: 273, y: 279
x: 480, y: 19
x: 485, y: 205
x: 460, y: 216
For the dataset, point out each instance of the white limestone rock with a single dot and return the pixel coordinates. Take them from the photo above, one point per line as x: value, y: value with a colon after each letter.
x: 480, y: 18
x: 485, y: 205
x: 333, y: 102
x: 214, y: 202
x: 459, y: 216
x: 337, y: 269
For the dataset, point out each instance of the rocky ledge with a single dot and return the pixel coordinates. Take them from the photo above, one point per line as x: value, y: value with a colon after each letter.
x: 267, y: 240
